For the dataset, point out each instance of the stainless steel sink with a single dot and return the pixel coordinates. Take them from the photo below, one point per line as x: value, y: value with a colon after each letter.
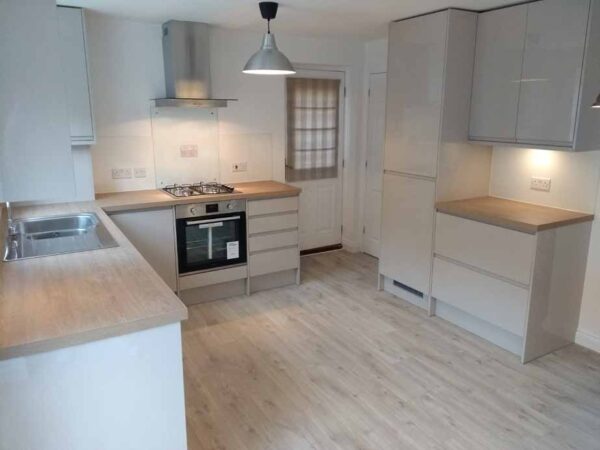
x: 45, y: 236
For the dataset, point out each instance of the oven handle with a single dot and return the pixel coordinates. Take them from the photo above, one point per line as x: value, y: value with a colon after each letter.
x: 223, y: 219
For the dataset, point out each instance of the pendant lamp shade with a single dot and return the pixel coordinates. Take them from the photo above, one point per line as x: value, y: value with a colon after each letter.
x: 268, y: 60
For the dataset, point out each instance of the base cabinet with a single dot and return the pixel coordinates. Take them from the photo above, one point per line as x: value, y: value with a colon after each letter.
x: 152, y: 232
x: 530, y: 311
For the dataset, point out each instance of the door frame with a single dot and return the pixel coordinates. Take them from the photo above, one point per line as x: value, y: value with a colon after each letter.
x: 342, y: 129
x: 363, y: 162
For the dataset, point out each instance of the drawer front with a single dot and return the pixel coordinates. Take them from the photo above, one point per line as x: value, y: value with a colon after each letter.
x: 272, y: 206
x: 274, y: 240
x: 503, y: 252
x: 278, y: 222
x: 493, y: 300
x: 273, y: 261
x: 212, y: 277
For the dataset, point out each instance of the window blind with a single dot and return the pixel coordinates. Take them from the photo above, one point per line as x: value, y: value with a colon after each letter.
x: 312, y: 128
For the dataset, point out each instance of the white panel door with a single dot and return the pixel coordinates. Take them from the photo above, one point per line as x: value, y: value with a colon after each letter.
x: 75, y: 73
x: 407, y: 225
x: 415, y: 84
x: 374, y: 163
x: 552, y: 65
x: 320, y: 211
x: 497, y: 74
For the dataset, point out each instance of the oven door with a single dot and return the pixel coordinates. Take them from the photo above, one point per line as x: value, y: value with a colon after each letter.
x: 211, y: 241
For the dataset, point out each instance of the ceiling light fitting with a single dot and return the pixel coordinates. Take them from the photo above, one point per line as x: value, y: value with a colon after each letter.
x: 268, y: 60
x: 597, y: 102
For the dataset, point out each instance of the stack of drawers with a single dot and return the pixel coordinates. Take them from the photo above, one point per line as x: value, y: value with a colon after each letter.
x: 484, y: 270
x: 273, y: 236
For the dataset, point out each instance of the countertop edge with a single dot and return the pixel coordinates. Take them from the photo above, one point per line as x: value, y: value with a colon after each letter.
x: 85, y: 337
x: 446, y: 207
x: 506, y: 223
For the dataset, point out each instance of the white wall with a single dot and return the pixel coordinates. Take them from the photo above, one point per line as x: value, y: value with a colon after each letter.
x: 575, y: 185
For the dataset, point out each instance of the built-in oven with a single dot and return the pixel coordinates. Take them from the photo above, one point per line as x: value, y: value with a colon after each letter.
x: 210, y: 235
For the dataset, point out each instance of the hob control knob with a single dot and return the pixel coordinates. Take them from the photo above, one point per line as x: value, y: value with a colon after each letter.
x: 194, y: 211
x: 229, y: 205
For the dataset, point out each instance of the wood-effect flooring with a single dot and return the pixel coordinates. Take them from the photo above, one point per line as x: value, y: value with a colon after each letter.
x: 335, y: 364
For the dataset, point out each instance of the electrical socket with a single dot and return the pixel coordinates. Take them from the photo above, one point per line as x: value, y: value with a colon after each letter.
x: 120, y: 173
x: 541, y: 184
x: 240, y: 167
x: 139, y: 172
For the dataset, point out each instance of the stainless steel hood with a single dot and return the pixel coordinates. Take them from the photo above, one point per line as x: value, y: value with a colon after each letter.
x: 186, y: 54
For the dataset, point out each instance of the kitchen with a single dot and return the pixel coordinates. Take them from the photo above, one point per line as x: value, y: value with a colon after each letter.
x: 240, y: 334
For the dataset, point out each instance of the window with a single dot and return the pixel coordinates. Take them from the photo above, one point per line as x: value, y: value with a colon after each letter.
x: 312, y: 128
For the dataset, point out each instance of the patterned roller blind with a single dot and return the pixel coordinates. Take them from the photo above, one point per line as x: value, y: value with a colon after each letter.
x: 312, y: 128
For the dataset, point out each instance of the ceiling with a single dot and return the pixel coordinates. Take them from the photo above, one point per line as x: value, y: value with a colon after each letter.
x: 360, y: 18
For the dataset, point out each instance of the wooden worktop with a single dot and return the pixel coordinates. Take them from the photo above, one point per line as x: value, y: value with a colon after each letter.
x: 63, y: 300
x: 511, y: 214
x: 127, y: 201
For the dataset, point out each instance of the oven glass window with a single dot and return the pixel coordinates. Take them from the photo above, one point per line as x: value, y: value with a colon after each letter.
x: 209, y: 243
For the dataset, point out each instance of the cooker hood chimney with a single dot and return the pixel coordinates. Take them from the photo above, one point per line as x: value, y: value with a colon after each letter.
x: 186, y: 53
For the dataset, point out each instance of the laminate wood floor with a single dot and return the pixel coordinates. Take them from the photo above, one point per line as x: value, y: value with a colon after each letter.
x: 335, y: 364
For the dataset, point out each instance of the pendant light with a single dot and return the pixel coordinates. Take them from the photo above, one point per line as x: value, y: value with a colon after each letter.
x: 268, y: 60
x: 597, y: 103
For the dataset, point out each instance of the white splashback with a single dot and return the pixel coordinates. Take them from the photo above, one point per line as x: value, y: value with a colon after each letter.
x: 186, y: 145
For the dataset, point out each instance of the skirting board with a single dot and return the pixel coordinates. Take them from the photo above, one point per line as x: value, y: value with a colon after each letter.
x: 588, y: 340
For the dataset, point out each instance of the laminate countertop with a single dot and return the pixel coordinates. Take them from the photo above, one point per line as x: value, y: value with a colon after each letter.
x: 519, y: 216
x: 63, y: 300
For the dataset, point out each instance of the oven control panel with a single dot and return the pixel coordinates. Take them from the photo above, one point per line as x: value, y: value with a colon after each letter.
x: 209, y: 208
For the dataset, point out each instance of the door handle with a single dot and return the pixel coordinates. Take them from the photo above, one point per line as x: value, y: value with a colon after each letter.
x: 221, y: 220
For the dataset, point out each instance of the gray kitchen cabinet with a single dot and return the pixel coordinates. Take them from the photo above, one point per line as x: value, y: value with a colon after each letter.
x: 552, y: 65
x: 429, y: 79
x: 407, y: 225
x: 36, y: 162
x: 534, y: 85
x: 76, y: 75
x: 496, y: 74
x: 414, y: 93
x: 152, y: 233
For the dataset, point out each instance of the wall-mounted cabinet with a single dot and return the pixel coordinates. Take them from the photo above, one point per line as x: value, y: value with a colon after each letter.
x: 36, y: 162
x: 76, y: 74
x: 536, y: 75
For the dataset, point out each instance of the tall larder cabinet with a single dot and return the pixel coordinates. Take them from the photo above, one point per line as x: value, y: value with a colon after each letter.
x: 430, y: 63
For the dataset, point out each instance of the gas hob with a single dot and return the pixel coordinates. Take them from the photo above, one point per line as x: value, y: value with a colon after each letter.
x: 196, y: 189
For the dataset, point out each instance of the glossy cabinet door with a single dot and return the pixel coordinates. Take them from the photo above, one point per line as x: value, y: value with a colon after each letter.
x: 36, y: 162
x: 497, y: 74
x: 416, y: 58
x: 552, y: 66
x: 75, y: 73
x: 407, y: 223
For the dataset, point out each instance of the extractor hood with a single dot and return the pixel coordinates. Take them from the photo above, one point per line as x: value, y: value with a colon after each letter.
x: 186, y: 54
